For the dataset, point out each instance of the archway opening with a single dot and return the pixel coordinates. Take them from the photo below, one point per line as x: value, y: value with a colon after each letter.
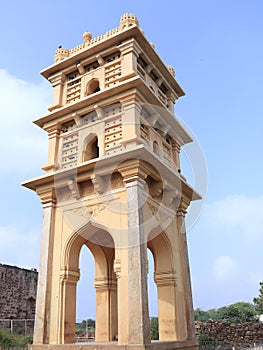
x: 152, y: 298
x: 86, y: 297
x: 101, y: 245
x: 92, y: 149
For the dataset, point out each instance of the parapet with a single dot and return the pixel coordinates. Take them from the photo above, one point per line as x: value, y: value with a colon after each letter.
x: 126, y: 21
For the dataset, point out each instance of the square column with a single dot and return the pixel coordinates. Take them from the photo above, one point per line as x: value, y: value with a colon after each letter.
x: 45, y: 263
x: 133, y: 312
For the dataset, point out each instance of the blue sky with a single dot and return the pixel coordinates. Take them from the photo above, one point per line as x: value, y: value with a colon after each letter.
x: 216, y: 50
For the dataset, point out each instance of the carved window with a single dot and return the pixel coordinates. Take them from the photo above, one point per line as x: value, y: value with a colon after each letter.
x: 92, y: 87
x: 92, y: 149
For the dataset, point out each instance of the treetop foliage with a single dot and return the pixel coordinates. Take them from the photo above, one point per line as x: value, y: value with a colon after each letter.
x: 259, y: 300
x: 239, y: 312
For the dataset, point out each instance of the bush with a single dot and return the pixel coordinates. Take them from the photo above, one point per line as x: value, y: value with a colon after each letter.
x: 9, y: 340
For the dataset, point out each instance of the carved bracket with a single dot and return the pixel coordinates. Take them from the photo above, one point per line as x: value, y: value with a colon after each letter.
x: 98, y: 183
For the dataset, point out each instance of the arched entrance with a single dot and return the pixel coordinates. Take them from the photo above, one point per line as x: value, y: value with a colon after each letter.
x: 101, y: 245
x: 165, y: 279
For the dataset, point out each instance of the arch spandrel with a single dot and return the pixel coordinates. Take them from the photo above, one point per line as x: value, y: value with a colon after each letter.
x: 87, y: 235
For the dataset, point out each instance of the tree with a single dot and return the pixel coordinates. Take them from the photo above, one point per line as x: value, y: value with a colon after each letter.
x: 154, y: 328
x: 201, y: 315
x: 258, y: 302
x: 238, y: 313
x: 85, y: 326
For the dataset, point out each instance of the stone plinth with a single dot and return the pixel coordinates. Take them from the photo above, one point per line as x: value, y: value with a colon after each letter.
x: 155, y: 345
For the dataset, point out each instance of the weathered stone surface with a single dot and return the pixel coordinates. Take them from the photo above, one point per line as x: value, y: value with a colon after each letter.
x: 231, y: 333
x: 17, y: 296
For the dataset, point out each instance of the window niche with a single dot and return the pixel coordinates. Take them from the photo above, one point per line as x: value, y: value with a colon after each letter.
x: 91, y: 150
x: 92, y: 87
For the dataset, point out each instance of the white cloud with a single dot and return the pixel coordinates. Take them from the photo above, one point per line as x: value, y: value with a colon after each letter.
x: 19, y: 248
x: 24, y: 144
x: 238, y: 214
x: 225, y: 268
x: 230, y: 236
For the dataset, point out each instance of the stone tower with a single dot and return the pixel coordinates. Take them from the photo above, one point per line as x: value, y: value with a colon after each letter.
x: 113, y: 183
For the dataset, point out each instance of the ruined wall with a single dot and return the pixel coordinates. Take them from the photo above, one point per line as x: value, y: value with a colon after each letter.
x: 18, y: 289
x: 231, y: 333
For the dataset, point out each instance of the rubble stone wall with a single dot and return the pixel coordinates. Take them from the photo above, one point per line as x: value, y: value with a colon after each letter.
x: 231, y: 333
x: 18, y: 288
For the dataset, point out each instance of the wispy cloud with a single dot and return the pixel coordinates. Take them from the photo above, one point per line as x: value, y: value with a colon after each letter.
x: 225, y: 268
x: 239, y: 214
x: 229, y: 234
x: 19, y: 247
x: 24, y: 144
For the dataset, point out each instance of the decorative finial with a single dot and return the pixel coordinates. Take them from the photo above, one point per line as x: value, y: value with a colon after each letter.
x: 128, y: 20
x: 87, y: 36
x: 171, y: 70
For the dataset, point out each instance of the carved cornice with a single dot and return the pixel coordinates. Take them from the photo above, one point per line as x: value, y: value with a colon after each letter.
x: 69, y: 276
x: 133, y: 170
x: 47, y: 195
x: 104, y: 283
x: 165, y: 278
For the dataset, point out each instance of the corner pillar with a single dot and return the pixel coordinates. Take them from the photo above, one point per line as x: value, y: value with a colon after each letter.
x: 58, y: 82
x: 134, y: 323
x: 53, y: 137
x: 186, y: 279
x: 44, y: 276
x: 131, y: 123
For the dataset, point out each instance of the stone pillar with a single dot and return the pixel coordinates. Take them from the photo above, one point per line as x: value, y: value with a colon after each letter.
x: 57, y: 82
x: 134, y: 323
x: 69, y: 279
x: 186, y: 279
x: 176, y: 154
x: 106, y: 309
x: 53, y: 137
x: 131, y: 123
x: 129, y: 54
x: 45, y: 264
x: 167, y: 306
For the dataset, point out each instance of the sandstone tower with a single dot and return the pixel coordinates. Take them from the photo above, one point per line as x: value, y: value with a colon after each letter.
x: 113, y: 183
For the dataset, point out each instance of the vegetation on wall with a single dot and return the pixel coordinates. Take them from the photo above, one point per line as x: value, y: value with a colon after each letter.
x: 11, y: 340
x: 259, y: 300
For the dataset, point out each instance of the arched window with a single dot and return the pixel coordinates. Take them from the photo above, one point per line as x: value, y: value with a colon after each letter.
x: 92, y: 149
x: 92, y: 87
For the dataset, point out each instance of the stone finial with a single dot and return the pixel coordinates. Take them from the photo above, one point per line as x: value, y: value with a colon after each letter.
x: 171, y: 70
x: 61, y: 54
x: 87, y: 36
x: 128, y: 20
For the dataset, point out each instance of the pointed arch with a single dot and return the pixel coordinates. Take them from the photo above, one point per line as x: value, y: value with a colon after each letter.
x: 92, y: 86
x: 101, y: 244
x: 90, y: 148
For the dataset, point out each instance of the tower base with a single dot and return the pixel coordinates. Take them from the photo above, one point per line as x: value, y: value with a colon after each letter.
x: 155, y: 345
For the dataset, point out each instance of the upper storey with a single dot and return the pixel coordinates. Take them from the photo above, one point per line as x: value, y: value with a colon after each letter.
x: 109, y: 61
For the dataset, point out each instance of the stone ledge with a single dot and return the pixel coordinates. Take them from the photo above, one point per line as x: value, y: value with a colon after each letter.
x: 155, y: 345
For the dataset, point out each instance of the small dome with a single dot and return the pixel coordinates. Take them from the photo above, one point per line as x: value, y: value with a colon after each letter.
x: 87, y: 36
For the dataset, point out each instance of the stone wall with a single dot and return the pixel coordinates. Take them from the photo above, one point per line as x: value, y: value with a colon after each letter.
x: 18, y: 289
x: 231, y: 333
